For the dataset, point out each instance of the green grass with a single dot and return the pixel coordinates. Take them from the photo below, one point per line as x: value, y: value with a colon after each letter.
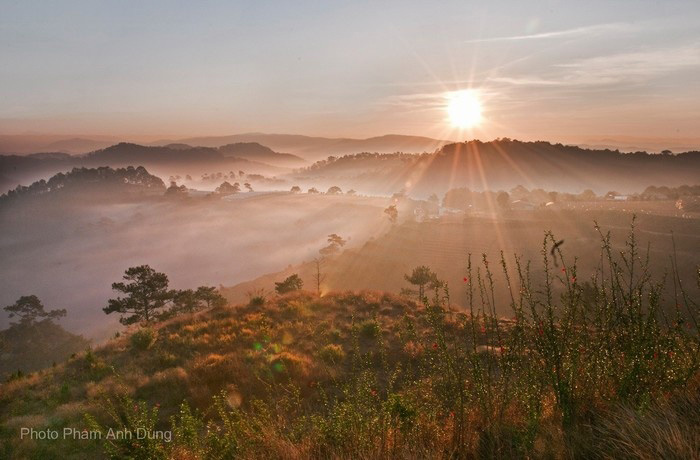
x: 580, y: 368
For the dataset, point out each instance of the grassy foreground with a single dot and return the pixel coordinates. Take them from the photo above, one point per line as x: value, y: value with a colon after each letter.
x: 580, y: 368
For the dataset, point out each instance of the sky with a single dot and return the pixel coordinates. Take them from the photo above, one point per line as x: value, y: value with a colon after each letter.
x: 550, y: 70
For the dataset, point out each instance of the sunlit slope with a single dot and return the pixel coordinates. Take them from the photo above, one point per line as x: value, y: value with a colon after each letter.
x: 445, y: 245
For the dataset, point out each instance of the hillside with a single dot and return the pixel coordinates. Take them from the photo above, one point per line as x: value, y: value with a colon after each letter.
x: 503, y: 164
x: 444, y: 245
x: 103, y: 184
x: 166, y: 161
x: 374, y: 375
x: 257, y: 152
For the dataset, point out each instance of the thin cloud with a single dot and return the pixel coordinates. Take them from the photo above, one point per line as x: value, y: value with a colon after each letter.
x: 630, y: 68
x: 626, y: 67
x: 578, y: 31
x: 526, y: 81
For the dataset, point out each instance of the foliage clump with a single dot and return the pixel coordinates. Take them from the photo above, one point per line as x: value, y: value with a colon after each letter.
x: 290, y: 284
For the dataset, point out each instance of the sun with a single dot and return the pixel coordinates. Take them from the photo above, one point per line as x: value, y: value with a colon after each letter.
x: 464, y: 108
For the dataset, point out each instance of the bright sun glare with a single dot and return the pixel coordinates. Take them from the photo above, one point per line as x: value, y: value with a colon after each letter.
x: 464, y: 108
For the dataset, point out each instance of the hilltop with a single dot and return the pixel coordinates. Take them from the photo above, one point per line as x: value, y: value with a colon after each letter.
x: 501, y: 165
x: 259, y: 152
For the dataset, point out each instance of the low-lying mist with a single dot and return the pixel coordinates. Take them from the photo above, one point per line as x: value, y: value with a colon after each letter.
x: 68, y: 253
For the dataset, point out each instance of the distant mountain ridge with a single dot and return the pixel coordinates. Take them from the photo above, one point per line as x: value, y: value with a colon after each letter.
x: 498, y: 165
x: 314, y: 148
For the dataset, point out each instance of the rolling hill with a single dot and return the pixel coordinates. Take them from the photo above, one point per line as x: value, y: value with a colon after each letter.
x: 314, y: 148
x: 256, y: 152
x: 178, y: 159
x: 503, y: 164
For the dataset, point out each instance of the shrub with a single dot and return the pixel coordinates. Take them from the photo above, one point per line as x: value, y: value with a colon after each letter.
x: 331, y: 354
x: 290, y: 284
x: 257, y: 298
x: 143, y: 339
x: 369, y: 329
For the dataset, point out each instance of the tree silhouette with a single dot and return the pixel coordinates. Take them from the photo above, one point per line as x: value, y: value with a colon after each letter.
x: 29, y: 308
x: 335, y: 242
x: 210, y: 296
x: 295, y: 189
x: 503, y: 200
x: 291, y: 283
x: 248, y: 186
x: 312, y: 190
x: 227, y: 189
x: 176, y: 191
x: 319, y: 277
x: 393, y: 213
x: 185, y: 301
x: 147, y: 294
x: 334, y: 190
x: 423, y: 276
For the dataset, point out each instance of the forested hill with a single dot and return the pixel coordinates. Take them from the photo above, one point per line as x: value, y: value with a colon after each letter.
x: 16, y: 169
x: 506, y: 163
x: 102, y: 182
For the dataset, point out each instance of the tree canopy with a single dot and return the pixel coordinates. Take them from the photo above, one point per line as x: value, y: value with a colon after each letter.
x: 335, y: 242
x: 147, y: 294
x: 29, y: 309
x: 422, y: 276
x: 226, y: 188
x: 291, y: 283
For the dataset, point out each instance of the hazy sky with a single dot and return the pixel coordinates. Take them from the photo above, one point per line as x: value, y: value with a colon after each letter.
x: 550, y: 70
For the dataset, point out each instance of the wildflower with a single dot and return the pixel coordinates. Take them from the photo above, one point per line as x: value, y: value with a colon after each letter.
x: 563, y: 269
x: 435, y: 345
x: 466, y: 280
x: 541, y: 331
x: 573, y: 279
x: 670, y: 354
x: 374, y: 392
x: 656, y: 355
